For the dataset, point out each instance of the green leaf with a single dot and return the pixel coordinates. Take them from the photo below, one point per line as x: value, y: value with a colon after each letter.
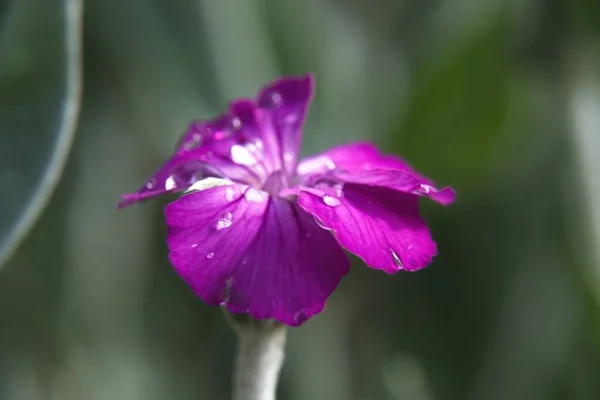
x: 40, y: 85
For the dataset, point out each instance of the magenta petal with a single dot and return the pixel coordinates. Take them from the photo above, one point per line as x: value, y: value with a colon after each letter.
x: 229, y: 146
x: 287, y: 101
x: 399, y: 180
x: 380, y: 225
x: 363, y: 163
x: 353, y: 157
x: 236, y: 246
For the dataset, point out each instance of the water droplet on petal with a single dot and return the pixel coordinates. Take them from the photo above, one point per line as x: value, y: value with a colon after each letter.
x: 224, y: 221
x: 229, y: 194
x: 236, y: 123
x: 300, y: 317
x: 333, y: 196
x: 210, y: 256
x: 194, y: 245
x: 245, y: 260
x: 193, y: 142
x: 255, y: 195
x: 241, y: 155
x: 221, y: 134
x: 331, y: 201
x: 206, y: 156
x: 151, y: 183
x: 275, y: 99
x: 207, y: 183
x: 254, y: 146
x: 423, y: 189
x: 397, y: 260
x: 170, y: 183
x: 321, y: 224
x: 329, y: 164
x: 288, y: 156
x: 291, y: 118
x: 186, y: 174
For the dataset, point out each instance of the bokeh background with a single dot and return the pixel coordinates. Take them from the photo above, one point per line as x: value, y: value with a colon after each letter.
x: 498, y: 98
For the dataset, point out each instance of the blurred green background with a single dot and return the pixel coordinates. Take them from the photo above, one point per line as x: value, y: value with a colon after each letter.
x: 498, y: 98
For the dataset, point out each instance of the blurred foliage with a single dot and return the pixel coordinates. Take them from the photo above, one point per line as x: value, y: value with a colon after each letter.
x: 36, y: 129
x: 459, y: 104
x: 496, y: 98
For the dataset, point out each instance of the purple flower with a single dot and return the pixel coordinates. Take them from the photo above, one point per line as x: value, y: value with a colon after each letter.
x: 259, y: 232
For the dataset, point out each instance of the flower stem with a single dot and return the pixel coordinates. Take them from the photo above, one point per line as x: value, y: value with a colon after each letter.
x: 260, y: 357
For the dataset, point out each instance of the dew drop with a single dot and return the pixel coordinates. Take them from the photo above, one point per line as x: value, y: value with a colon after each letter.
x: 221, y: 134
x: 194, y: 245
x: 333, y: 196
x: 290, y: 119
x: 207, y: 183
x: 254, y: 146
x: 151, y: 183
x: 321, y: 224
x: 224, y: 221
x: 300, y: 317
x: 236, y: 123
x: 255, y: 195
x: 423, y: 189
x: 171, y: 183
x: 245, y: 260
x: 397, y: 260
x: 186, y: 174
x: 229, y: 194
x: 210, y: 256
x: 288, y: 156
x: 193, y: 142
x: 242, y: 155
x: 275, y: 99
x: 331, y: 201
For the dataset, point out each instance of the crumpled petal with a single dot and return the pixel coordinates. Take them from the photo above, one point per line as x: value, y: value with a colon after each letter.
x: 238, y: 247
x: 229, y: 146
x: 363, y: 163
x: 352, y: 157
x: 246, y: 144
x: 287, y: 101
x: 378, y: 224
x: 399, y: 180
x: 370, y: 201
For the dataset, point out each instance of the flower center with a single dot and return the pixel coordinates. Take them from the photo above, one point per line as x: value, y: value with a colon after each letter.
x: 276, y: 182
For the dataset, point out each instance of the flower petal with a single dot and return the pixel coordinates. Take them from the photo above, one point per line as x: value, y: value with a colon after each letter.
x: 229, y: 146
x: 363, y: 163
x: 352, y: 157
x: 399, y: 180
x: 287, y: 101
x: 236, y: 246
x: 378, y: 224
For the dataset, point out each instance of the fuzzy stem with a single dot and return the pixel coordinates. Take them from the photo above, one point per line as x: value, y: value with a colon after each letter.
x: 260, y: 357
